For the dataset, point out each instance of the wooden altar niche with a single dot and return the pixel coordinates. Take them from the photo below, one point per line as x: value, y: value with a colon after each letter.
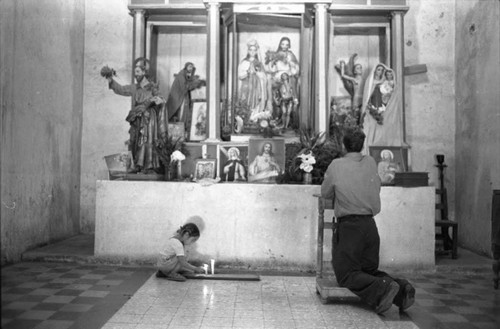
x: 372, y: 29
x: 214, y: 34
x: 216, y: 27
x: 264, y: 27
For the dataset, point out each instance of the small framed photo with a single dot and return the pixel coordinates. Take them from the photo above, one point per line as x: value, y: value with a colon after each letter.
x: 390, y: 160
x: 233, y: 162
x: 198, y: 129
x: 266, y: 159
x: 204, y: 168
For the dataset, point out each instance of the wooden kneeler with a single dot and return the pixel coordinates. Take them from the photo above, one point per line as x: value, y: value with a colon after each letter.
x: 328, y: 288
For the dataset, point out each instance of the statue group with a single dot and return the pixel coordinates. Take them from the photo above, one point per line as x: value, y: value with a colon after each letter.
x: 374, y: 104
x: 150, y: 112
x: 268, y: 92
x: 268, y: 88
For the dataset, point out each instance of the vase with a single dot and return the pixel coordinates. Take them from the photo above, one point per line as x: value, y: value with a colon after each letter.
x: 307, y: 178
x: 168, y: 174
x: 179, y: 170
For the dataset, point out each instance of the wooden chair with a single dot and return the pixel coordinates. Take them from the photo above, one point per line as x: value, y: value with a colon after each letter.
x: 444, y: 224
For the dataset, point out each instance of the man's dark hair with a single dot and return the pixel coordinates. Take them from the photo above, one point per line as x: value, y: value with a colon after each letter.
x: 354, y: 138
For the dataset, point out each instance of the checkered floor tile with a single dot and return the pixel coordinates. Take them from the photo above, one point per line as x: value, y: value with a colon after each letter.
x: 53, y: 295
x: 60, y: 296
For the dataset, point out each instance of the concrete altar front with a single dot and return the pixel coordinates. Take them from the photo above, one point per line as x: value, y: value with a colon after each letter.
x: 251, y: 225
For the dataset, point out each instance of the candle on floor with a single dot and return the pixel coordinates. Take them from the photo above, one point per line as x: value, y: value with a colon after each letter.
x: 212, y: 264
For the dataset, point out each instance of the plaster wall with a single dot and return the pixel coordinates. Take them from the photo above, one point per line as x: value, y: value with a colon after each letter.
x: 430, y: 106
x: 478, y: 119
x: 251, y: 225
x: 41, y: 60
x: 429, y: 38
x: 108, y: 41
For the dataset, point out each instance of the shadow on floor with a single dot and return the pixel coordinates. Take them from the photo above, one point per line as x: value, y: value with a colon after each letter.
x: 80, y: 249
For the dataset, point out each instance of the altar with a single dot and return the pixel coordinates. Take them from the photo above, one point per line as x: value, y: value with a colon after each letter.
x: 251, y: 226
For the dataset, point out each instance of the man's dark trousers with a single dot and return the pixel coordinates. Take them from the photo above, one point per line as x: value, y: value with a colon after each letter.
x: 355, y: 259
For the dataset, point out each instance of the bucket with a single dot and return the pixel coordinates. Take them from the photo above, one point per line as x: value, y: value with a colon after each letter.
x: 118, y: 164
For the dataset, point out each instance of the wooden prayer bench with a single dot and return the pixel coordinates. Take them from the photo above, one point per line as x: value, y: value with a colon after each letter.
x: 327, y: 287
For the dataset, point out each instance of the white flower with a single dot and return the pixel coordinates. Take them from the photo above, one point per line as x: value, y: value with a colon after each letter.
x: 306, y: 167
x: 307, y: 161
x: 177, y: 156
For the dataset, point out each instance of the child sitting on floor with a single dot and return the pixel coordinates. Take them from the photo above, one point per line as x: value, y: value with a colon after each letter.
x: 172, y: 261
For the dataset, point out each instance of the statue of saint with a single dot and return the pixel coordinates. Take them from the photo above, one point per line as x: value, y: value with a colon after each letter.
x: 179, y: 99
x: 253, y: 91
x: 147, y: 118
x: 382, y: 109
x: 283, y: 60
x: 288, y: 100
x: 351, y: 74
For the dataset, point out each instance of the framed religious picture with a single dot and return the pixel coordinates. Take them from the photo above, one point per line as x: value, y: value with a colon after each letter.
x: 198, y: 129
x: 233, y: 162
x: 390, y: 160
x: 176, y: 130
x: 266, y: 158
x: 204, y: 168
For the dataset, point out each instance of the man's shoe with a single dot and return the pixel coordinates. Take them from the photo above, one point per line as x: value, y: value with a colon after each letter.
x: 160, y: 274
x: 387, y: 299
x: 408, y: 297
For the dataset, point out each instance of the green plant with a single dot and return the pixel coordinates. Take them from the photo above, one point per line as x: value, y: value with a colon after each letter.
x: 323, y: 148
x: 164, y: 147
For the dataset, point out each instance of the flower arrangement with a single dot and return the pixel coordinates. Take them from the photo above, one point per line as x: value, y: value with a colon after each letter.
x: 171, y: 151
x: 312, y: 155
x: 308, y: 161
x: 107, y: 72
x: 376, y: 113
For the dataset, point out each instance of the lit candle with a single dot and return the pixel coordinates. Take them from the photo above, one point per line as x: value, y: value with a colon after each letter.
x: 212, y: 264
x: 205, y: 267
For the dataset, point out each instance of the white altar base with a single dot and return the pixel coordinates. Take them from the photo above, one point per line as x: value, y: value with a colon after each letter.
x: 251, y: 225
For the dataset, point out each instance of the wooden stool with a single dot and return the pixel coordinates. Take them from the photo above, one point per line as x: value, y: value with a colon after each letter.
x: 445, y: 224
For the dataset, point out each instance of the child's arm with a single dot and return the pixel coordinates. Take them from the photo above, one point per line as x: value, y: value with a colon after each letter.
x: 186, y: 266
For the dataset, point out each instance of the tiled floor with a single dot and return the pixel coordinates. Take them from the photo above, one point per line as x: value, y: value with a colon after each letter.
x: 65, y: 295
x: 458, y: 294
x: 443, y: 301
x: 52, y: 295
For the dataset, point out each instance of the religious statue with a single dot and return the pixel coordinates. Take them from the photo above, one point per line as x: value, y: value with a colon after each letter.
x: 253, y: 93
x: 381, y: 85
x: 147, y: 118
x: 288, y: 99
x: 179, y: 99
x: 234, y: 169
x: 382, y: 112
x: 283, y: 60
x: 352, y: 79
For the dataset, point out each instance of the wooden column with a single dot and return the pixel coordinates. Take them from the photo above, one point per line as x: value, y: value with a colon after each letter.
x: 321, y: 116
x: 213, y: 71
x: 397, y: 59
x: 139, y: 34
